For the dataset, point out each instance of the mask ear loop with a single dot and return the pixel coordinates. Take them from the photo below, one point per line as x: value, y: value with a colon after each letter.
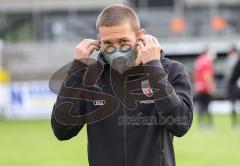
x: 100, y: 49
x: 103, y: 52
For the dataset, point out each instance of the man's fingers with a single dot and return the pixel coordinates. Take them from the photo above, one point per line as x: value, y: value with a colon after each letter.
x: 147, y: 40
x: 90, y: 42
x: 85, y: 48
x: 94, y: 44
x: 144, y: 40
x: 154, y: 40
x: 150, y: 40
x: 92, y: 48
x: 87, y: 43
x: 141, y: 45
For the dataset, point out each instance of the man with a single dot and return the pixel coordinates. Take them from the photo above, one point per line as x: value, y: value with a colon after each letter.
x: 133, y: 100
x: 230, y: 61
x: 204, y: 84
x: 232, y: 90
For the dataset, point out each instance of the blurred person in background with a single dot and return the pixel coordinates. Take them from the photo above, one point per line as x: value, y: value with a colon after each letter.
x: 231, y: 61
x: 204, y: 85
x: 233, y: 75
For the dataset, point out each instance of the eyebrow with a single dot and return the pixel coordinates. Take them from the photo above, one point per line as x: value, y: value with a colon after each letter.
x: 106, y: 41
x: 124, y: 38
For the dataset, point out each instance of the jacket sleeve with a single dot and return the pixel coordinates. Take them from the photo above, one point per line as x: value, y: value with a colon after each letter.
x: 175, y: 110
x: 66, y: 131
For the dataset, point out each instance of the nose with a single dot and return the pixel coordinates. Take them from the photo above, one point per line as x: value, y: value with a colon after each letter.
x: 117, y: 46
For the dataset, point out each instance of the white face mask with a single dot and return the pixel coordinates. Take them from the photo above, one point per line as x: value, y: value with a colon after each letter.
x: 121, y: 61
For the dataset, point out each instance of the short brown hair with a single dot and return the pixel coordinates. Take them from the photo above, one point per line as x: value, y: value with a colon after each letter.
x: 115, y: 15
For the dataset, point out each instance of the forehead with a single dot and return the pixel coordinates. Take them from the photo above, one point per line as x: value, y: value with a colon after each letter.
x: 116, y: 32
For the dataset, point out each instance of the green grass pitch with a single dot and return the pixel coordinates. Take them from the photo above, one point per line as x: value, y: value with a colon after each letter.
x: 32, y: 143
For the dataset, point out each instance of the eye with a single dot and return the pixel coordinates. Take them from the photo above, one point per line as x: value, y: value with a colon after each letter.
x: 110, y: 50
x: 124, y: 41
x: 126, y: 47
x: 106, y: 43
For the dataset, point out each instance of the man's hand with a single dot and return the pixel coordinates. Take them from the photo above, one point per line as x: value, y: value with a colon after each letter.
x: 149, y: 48
x: 85, y: 48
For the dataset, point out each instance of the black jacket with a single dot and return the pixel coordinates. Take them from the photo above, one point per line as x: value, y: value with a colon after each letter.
x: 128, y: 136
x: 234, y: 89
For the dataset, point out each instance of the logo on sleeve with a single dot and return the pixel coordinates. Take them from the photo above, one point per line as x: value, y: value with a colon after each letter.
x: 146, y: 88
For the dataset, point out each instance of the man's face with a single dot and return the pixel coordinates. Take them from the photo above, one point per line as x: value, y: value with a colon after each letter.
x: 119, y: 36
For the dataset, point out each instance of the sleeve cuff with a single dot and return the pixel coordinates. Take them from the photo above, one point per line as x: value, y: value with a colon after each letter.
x: 156, y: 63
x: 154, y: 67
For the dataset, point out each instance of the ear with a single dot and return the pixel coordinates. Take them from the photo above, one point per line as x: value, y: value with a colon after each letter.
x: 141, y: 32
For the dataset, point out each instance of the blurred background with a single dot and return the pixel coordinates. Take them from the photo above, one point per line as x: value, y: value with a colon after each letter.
x: 38, y: 37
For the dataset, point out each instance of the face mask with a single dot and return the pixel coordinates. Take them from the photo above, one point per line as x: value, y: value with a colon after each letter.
x: 121, y: 61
